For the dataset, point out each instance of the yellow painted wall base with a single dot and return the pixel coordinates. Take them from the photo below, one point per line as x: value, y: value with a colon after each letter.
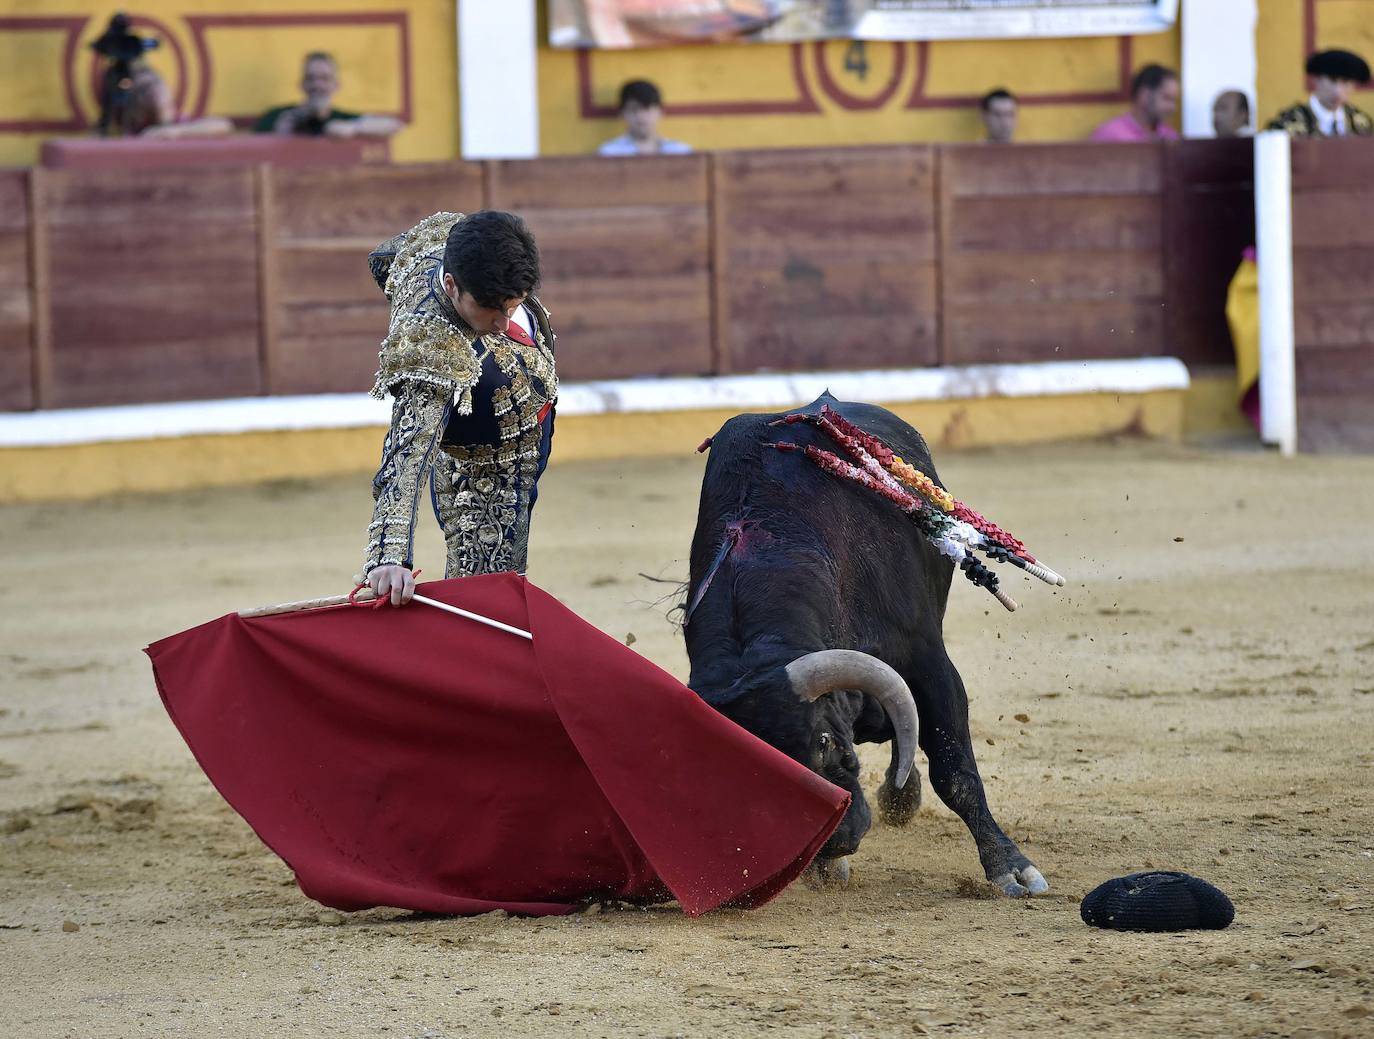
x: 1210, y: 405
x: 85, y: 471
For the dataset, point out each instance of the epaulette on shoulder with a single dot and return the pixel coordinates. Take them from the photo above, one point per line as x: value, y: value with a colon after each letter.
x: 428, y: 235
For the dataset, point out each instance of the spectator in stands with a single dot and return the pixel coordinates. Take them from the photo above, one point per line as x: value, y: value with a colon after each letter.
x: 1154, y: 97
x: 154, y: 111
x: 641, y: 106
x: 998, y: 109
x: 316, y: 115
x: 1328, y: 112
x: 1231, y: 114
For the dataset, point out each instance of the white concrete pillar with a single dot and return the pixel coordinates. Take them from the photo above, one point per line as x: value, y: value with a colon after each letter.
x: 498, y: 84
x: 1274, y: 246
x: 1218, y: 54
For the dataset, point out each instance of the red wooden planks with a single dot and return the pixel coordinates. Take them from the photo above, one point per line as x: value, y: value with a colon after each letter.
x: 828, y: 258
x: 329, y: 316
x: 1210, y: 214
x: 1333, y: 269
x: 16, y: 293
x: 153, y: 285
x: 1052, y: 252
x: 624, y: 247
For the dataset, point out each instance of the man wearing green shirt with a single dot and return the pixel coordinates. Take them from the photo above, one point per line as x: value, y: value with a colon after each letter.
x: 316, y: 115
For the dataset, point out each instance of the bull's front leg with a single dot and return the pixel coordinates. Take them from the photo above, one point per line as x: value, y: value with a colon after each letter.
x: 943, y: 707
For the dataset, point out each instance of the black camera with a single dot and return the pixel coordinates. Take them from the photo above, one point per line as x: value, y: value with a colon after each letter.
x: 122, y: 48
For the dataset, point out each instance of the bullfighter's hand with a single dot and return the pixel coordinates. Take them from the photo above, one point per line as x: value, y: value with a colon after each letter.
x: 394, y: 581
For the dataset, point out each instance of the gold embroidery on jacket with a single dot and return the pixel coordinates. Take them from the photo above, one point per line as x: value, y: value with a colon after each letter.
x: 426, y: 340
x: 1300, y: 121
x: 431, y: 362
x: 418, y: 414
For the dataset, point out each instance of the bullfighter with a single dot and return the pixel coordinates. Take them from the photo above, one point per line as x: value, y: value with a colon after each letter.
x: 468, y: 361
x: 1328, y: 111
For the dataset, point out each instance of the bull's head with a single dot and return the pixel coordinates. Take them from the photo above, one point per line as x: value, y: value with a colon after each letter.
x: 820, y: 734
x: 818, y: 675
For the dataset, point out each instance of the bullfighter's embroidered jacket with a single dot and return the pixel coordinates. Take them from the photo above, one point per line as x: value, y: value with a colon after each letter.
x: 472, y: 415
x: 1300, y: 121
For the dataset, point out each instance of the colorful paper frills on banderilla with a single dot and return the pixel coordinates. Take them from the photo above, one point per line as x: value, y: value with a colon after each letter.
x: 955, y: 530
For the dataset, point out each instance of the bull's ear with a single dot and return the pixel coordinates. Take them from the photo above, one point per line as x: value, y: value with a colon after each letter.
x: 872, y: 724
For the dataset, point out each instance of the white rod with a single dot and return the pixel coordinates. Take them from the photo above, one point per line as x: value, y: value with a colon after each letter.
x: 1274, y: 234
x: 498, y: 95
x: 365, y: 595
x: 473, y: 616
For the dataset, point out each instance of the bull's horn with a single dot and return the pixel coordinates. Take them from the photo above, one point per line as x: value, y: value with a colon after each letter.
x: 817, y: 674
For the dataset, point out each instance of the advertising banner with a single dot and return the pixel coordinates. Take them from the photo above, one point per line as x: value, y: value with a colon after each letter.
x: 660, y: 23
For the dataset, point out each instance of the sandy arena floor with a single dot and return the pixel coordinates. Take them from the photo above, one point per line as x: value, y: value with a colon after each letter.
x: 1199, y: 698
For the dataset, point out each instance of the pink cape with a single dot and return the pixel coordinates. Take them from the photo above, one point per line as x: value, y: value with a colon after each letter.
x: 412, y: 758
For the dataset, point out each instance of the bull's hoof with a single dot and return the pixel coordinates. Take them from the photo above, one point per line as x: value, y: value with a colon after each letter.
x: 827, y: 873
x: 1021, y: 883
x: 899, y: 807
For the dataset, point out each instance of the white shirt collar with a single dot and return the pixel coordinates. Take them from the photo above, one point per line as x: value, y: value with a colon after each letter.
x: 1331, y: 124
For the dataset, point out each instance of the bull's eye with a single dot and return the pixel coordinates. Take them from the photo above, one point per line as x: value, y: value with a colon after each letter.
x: 827, y: 741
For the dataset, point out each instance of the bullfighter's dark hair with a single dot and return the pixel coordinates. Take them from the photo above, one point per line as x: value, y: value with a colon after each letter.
x: 319, y: 56
x: 995, y: 95
x: 642, y: 93
x: 1151, y: 77
x: 492, y: 256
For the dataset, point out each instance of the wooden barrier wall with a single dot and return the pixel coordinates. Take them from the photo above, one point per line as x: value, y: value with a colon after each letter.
x: 1049, y: 251
x: 1209, y: 222
x: 323, y: 316
x: 152, y: 286
x: 1333, y: 271
x: 826, y: 259
x: 17, y: 333
x: 626, y: 259
x: 190, y: 284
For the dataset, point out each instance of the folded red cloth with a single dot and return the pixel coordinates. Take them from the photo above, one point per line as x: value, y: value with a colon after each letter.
x: 412, y: 758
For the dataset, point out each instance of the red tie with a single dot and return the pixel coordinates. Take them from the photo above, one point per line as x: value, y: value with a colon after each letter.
x: 514, y: 331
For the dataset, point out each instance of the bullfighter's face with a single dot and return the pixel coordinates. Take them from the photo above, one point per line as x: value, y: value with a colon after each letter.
x: 483, y: 320
x: 1331, y: 93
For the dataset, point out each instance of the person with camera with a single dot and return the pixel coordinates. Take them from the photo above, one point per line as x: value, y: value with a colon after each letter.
x: 134, y: 100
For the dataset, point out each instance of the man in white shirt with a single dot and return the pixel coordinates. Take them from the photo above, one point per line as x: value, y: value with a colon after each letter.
x: 1328, y: 112
x: 641, y: 106
x: 998, y: 109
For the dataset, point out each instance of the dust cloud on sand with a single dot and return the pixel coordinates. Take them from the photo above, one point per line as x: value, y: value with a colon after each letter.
x: 1199, y: 697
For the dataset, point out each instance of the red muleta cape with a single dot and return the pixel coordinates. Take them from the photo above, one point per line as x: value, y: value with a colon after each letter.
x: 411, y: 758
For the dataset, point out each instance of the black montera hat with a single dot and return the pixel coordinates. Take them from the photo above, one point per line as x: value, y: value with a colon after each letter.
x: 1157, y: 901
x: 1338, y: 65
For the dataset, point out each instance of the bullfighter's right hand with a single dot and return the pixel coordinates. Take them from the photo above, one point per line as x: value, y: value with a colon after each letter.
x: 394, y: 581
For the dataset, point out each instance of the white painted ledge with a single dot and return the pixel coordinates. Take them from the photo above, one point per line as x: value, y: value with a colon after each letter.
x: 733, y: 392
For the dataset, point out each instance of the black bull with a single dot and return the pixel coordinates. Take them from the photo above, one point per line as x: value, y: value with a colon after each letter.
x: 798, y: 562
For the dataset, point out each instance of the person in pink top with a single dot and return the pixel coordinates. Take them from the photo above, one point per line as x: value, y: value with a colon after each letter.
x: 1154, y: 97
